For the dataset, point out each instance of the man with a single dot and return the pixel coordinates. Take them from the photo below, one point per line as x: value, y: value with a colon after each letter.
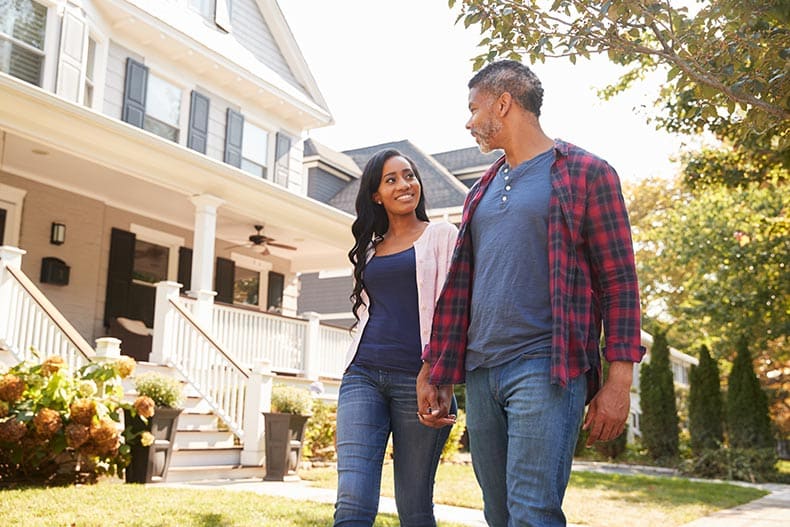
x: 543, y: 257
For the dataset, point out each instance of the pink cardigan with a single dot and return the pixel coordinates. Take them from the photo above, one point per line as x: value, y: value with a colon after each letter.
x: 433, y: 251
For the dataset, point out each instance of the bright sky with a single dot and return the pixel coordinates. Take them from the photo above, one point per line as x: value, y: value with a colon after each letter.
x: 394, y: 70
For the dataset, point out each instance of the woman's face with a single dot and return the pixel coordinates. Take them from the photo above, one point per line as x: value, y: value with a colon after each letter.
x: 399, y: 190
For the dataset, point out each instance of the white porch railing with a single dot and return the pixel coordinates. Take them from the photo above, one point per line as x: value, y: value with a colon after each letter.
x: 29, y: 320
x: 181, y: 342
x: 291, y: 345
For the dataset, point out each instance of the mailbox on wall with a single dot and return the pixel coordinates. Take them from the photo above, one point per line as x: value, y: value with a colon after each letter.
x: 54, y: 271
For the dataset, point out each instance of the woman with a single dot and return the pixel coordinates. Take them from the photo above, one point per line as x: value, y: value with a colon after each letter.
x: 400, y: 262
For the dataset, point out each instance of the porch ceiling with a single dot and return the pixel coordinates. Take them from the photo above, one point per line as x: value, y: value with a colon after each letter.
x: 73, y: 148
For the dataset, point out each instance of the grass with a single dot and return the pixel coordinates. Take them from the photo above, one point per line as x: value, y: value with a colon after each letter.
x: 592, y: 499
x: 122, y: 505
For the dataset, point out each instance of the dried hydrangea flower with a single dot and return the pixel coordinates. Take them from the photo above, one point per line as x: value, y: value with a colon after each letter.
x: 125, y: 366
x: 47, y: 423
x: 105, y: 436
x: 145, y: 406
x: 11, y: 388
x: 52, y: 365
x: 4, y: 408
x: 82, y: 411
x: 12, y: 430
x: 76, y: 435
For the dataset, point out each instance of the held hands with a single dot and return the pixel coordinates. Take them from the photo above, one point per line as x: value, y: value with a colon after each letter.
x: 433, y: 402
x: 608, y: 411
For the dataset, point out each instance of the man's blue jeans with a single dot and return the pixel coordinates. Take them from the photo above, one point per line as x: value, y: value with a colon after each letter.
x: 371, y: 404
x: 522, y: 434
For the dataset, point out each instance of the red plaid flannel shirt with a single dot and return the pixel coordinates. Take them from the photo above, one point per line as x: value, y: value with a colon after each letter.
x: 592, y: 275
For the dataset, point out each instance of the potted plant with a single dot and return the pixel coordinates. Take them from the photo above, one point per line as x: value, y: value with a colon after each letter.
x: 285, y: 431
x: 153, y: 420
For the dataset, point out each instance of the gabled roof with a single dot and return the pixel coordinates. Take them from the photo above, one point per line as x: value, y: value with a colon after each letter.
x: 442, y: 189
x: 466, y: 159
x: 315, y: 151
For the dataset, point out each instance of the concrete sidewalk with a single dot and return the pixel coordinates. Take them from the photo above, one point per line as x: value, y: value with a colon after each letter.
x: 772, y: 510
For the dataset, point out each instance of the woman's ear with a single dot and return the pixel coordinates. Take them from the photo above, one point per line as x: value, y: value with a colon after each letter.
x: 376, y: 198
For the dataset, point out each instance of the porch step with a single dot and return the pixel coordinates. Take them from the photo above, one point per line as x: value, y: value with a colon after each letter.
x: 191, y: 439
x: 201, y: 457
x: 214, y: 472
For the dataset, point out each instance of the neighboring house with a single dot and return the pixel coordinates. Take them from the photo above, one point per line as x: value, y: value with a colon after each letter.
x: 333, y: 177
x: 142, y: 142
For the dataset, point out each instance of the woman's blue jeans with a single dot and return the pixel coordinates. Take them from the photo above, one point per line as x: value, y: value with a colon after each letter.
x: 371, y: 405
x: 522, y: 434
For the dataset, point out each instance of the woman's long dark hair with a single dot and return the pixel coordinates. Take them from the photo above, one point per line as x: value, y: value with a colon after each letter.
x: 372, y: 221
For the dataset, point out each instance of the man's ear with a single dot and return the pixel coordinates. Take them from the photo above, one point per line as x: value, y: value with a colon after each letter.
x: 503, y: 104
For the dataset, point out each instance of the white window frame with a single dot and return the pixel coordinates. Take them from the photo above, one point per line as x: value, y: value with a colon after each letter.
x: 159, y: 71
x: 164, y: 239
x: 270, y: 134
x: 51, y: 44
x: 12, y: 200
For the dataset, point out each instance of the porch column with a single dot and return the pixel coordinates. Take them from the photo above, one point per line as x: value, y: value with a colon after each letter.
x: 202, y: 287
x: 258, y: 399
x: 164, y: 327
x: 10, y: 257
x: 312, y: 345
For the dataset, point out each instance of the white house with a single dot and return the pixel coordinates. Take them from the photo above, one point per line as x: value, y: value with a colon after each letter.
x: 151, y: 181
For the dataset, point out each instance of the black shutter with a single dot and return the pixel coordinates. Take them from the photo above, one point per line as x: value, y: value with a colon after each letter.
x: 197, y: 136
x: 119, y: 274
x: 185, y: 268
x: 234, y: 132
x: 224, y: 278
x: 274, y: 296
x: 134, y: 92
x: 2, y: 226
x: 282, y: 157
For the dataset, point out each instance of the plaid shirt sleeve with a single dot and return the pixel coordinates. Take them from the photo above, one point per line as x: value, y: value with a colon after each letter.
x: 612, y: 267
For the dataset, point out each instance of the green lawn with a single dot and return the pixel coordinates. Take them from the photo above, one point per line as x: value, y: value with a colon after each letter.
x: 120, y: 505
x: 592, y: 499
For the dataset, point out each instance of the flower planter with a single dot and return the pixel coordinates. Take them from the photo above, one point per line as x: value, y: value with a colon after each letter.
x: 149, y: 464
x: 284, y: 440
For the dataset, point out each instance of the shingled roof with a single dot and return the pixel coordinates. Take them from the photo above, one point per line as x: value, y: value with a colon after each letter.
x: 466, y: 158
x: 442, y: 189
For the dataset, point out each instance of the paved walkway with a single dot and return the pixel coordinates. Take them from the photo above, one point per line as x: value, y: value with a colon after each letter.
x: 772, y: 510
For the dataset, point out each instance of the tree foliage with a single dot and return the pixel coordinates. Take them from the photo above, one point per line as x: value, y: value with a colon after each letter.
x: 713, y: 263
x: 705, y: 406
x: 725, y: 61
x: 659, y: 422
x: 748, y: 422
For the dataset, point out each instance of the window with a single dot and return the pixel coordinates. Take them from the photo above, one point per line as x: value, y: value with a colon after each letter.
x: 151, y: 262
x: 22, y: 34
x: 162, y: 108
x: 246, y: 285
x: 255, y: 144
x: 89, y: 74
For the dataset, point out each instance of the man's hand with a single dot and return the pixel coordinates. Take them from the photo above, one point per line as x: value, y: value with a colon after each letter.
x: 433, y: 402
x: 608, y: 411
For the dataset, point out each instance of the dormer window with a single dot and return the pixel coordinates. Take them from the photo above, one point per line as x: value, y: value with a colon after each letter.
x: 22, y: 35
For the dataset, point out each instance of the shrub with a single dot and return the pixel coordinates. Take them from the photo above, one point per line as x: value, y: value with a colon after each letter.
x: 744, y: 464
x: 164, y: 390
x: 453, y: 444
x: 748, y: 421
x: 320, y: 434
x: 59, y: 426
x: 659, y: 423
x: 705, y: 409
x: 288, y: 399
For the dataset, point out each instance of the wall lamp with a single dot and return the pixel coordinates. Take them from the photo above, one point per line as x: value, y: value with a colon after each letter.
x: 58, y: 234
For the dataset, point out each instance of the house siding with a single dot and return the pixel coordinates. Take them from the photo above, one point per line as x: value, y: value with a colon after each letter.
x: 322, y: 185
x: 217, y: 116
x: 325, y: 295
x: 252, y: 32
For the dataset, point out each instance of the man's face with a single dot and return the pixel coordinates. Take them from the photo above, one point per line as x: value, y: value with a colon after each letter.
x: 483, y: 122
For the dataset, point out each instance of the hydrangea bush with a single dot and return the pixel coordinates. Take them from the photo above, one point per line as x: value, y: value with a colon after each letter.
x: 59, y: 427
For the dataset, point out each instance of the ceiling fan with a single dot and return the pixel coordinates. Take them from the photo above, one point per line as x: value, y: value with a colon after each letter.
x: 259, y: 242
